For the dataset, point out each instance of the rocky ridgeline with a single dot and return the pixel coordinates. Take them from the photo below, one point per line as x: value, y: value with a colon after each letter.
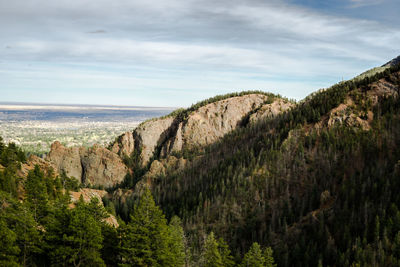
x: 158, y: 138
x: 156, y: 141
x: 201, y: 127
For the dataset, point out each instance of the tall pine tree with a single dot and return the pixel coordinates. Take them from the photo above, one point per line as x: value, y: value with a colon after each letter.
x: 145, y: 239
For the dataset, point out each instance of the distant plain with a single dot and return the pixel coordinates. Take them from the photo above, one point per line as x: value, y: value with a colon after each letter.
x: 36, y: 126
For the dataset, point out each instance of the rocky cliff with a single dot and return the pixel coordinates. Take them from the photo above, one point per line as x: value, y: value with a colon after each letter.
x: 159, y: 138
x: 124, y: 145
x: 199, y: 127
x: 211, y: 122
x: 96, y: 165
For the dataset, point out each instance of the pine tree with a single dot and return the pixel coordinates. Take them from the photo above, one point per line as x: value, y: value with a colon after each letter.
x: 254, y: 257
x: 85, y: 238
x: 227, y: 258
x: 177, y: 242
x: 74, y: 236
x: 211, y: 256
x: 36, y: 192
x: 268, y: 257
x: 109, y: 250
x: 9, y: 250
x: 145, y: 239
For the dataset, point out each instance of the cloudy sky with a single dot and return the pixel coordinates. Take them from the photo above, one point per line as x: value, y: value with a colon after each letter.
x: 177, y: 52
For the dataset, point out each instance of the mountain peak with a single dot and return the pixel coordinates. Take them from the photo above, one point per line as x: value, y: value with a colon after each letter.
x: 392, y: 62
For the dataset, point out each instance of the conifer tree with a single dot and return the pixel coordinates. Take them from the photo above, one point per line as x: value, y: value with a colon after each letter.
x: 268, y: 257
x: 8, y: 247
x: 211, y: 256
x: 254, y: 257
x: 85, y: 239
x: 177, y: 242
x: 36, y: 192
x: 74, y: 236
x: 225, y: 252
x: 145, y: 239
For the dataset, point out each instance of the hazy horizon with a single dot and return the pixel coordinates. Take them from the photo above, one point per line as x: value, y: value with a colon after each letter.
x: 94, y: 105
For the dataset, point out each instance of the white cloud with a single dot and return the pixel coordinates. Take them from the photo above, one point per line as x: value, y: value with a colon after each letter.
x: 230, y: 41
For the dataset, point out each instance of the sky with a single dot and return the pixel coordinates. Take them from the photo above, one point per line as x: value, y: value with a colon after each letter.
x: 175, y: 53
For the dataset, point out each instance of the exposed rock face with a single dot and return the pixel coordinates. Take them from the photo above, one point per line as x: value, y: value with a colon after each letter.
x: 271, y: 110
x: 66, y: 160
x: 343, y: 114
x: 150, y: 134
x: 101, y: 166
x: 125, y: 144
x: 160, y: 167
x: 87, y: 194
x: 348, y: 113
x: 96, y: 165
x: 211, y: 122
x: 201, y: 127
x: 384, y: 88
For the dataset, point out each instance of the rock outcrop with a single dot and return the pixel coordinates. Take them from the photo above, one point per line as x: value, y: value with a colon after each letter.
x: 150, y: 134
x: 196, y: 128
x: 211, y: 122
x: 270, y: 110
x: 160, y: 167
x: 67, y: 160
x: 161, y: 138
x: 344, y: 114
x: 96, y: 165
x: 124, y: 145
x: 357, y: 109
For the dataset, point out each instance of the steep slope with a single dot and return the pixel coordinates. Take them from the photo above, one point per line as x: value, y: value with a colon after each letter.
x: 200, y: 125
x: 95, y: 165
x: 311, y: 182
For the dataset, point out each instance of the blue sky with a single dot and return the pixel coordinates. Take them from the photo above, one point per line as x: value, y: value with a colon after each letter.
x: 175, y: 53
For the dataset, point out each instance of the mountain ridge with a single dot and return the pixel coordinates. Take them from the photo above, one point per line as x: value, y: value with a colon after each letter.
x: 315, y: 180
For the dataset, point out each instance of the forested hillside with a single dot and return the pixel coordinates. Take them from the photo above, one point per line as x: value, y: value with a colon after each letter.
x: 317, y: 183
x: 312, y: 183
x: 40, y: 225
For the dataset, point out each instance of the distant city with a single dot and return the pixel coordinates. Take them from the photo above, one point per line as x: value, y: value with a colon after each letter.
x: 35, y: 127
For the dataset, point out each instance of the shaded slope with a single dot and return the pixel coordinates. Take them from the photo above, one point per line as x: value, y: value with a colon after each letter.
x: 300, y: 180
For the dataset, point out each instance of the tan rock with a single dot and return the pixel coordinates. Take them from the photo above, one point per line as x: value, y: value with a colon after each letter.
x: 156, y: 169
x: 96, y: 165
x: 344, y: 114
x: 150, y: 134
x: 382, y: 88
x: 66, y: 160
x: 125, y: 145
x: 271, y: 110
x: 102, y: 167
x: 211, y: 122
x: 87, y: 194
